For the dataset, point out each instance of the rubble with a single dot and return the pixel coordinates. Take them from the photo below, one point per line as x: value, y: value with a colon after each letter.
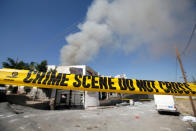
x: 189, y: 118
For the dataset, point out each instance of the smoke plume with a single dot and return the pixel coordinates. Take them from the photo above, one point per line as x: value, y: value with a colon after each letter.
x: 128, y: 25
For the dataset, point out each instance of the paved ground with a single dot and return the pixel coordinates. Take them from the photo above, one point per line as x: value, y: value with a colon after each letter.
x: 141, y: 117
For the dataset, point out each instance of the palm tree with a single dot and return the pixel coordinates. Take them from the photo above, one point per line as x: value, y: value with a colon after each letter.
x: 42, y: 66
x: 11, y: 63
x: 15, y: 64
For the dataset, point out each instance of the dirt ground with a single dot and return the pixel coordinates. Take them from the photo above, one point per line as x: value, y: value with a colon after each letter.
x: 25, y: 100
x: 140, y: 117
x: 184, y: 106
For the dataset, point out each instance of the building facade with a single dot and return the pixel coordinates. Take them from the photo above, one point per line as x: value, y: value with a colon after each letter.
x: 74, y: 98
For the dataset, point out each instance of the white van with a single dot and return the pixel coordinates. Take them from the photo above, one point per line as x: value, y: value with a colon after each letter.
x: 164, y: 103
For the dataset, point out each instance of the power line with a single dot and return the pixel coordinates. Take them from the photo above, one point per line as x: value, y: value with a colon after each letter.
x: 189, y: 41
x: 186, y: 47
x: 176, y: 68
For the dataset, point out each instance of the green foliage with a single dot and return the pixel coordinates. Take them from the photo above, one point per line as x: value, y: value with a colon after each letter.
x: 32, y: 66
x: 53, y: 70
x: 11, y: 63
x: 42, y: 66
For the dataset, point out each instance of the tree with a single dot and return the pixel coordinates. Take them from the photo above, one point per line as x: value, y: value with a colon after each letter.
x: 11, y: 63
x: 15, y: 64
x: 32, y: 66
x: 42, y: 66
x: 53, y: 70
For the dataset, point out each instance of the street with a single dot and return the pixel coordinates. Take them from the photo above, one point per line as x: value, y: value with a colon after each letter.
x: 140, y: 117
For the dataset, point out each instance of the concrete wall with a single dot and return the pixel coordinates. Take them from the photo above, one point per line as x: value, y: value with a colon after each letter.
x: 86, y: 98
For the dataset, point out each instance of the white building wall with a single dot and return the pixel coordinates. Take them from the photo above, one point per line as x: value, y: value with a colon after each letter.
x: 89, y: 99
x: 21, y: 89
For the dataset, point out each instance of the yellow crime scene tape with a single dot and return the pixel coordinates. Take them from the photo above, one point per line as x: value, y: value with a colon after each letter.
x: 137, y: 99
x: 184, y: 99
x: 94, y: 83
x: 152, y: 99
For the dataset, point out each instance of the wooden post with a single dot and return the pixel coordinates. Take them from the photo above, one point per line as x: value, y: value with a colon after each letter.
x: 185, y: 80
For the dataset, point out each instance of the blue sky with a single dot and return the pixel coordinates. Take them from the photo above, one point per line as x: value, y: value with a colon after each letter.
x: 35, y: 30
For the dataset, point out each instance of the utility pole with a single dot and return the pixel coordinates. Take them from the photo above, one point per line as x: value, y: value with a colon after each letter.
x: 185, y: 80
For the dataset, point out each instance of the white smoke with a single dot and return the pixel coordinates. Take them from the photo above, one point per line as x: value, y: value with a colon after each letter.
x: 128, y: 25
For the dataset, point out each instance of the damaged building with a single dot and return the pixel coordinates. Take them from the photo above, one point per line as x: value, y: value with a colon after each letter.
x: 74, y: 98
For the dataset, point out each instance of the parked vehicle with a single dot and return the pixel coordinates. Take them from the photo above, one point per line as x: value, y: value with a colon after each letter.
x: 165, y: 103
